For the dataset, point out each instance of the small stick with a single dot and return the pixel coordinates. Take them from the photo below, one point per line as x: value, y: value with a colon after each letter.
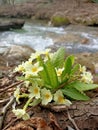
x: 16, y: 119
x: 4, y: 110
x: 10, y: 123
x: 72, y: 120
x: 4, y: 100
x: 10, y: 86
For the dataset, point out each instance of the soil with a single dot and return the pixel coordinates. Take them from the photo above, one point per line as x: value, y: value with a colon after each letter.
x: 80, y: 115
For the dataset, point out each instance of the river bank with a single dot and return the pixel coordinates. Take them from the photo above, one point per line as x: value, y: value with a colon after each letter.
x: 83, y: 12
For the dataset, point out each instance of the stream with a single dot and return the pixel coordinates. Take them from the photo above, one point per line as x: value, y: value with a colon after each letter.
x: 40, y: 36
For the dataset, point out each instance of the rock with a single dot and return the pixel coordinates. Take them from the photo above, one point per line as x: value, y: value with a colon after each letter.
x: 94, y: 19
x: 86, y: 1
x: 15, y: 54
x: 90, y: 60
x: 85, y: 41
x: 86, y: 19
x: 12, y: 24
x: 95, y: 78
x: 59, y: 19
x: 71, y: 38
x: 17, y: 24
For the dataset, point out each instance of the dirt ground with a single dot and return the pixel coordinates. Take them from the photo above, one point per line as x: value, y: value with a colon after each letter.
x: 79, y: 116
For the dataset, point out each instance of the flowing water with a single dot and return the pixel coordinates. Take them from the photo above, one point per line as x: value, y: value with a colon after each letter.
x: 40, y: 36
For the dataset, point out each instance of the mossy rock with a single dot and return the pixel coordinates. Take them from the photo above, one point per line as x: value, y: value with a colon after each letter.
x: 59, y: 19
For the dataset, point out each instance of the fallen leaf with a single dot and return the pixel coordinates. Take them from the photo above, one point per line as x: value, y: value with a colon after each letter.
x: 53, y: 122
x: 20, y: 126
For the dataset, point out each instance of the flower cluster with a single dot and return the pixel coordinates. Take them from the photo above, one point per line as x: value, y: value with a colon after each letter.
x: 49, y: 77
x: 85, y: 76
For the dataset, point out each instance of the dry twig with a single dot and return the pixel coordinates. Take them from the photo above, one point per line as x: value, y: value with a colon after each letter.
x: 4, y: 110
x: 4, y: 100
x: 10, y: 86
x: 72, y: 121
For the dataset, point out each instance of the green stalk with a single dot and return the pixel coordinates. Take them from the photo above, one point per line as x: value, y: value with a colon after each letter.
x: 27, y: 104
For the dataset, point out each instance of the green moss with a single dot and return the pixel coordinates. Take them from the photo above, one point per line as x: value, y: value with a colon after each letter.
x: 59, y: 21
x: 96, y: 1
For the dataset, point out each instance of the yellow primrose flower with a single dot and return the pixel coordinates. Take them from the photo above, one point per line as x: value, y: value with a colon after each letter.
x: 34, y: 92
x: 27, y: 65
x: 16, y: 94
x: 87, y: 77
x: 27, y: 83
x: 19, y: 68
x: 47, y: 58
x: 59, y: 71
x: 33, y: 69
x: 21, y: 113
x: 46, y: 52
x: 46, y: 96
x: 59, y: 98
x: 35, y: 55
x: 82, y: 68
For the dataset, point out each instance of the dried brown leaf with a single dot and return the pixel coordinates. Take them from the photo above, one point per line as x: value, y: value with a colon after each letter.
x: 5, y: 81
x: 40, y: 123
x: 20, y: 126
x: 53, y: 122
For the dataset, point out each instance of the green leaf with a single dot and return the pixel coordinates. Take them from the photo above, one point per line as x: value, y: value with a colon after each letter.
x: 44, y: 75
x: 58, y: 58
x: 74, y: 94
x: 75, y: 69
x: 80, y: 86
x: 35, y: 102
x: 21, y: 78
x: 72, y: 58
x: 49, y: 75
x: 96, y: 1
x: 52, y: 76
x: 68, y: 65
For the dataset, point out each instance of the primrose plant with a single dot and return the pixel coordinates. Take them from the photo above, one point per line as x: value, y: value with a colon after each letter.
x: 50, y: 78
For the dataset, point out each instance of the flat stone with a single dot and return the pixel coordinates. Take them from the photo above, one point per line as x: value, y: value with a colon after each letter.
x: 12, y: 24
x: 16, y: 54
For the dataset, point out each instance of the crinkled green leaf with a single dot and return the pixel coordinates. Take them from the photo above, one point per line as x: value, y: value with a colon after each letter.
x: 96, y: 1
x: 74, y: 94
x: 80, y: 86
x: 49, y: 75
x: 75, y: 69
x: 58, y: 58
x: 68, y: 65
x: 44, y: 76
x: 44, y: 73
x: 52, y: 76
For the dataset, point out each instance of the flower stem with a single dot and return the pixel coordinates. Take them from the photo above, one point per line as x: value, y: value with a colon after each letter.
x: 27, y: 103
